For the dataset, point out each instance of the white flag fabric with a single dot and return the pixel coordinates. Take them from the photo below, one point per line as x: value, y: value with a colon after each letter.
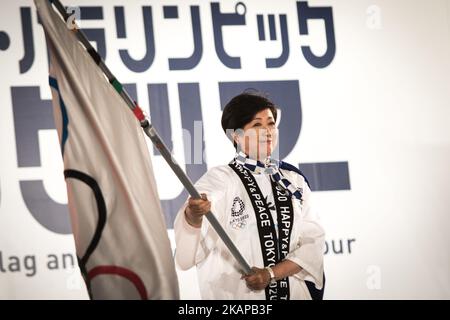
x: 120, y: 234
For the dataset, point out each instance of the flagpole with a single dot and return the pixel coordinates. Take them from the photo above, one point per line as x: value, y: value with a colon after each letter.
x: 151, y: 132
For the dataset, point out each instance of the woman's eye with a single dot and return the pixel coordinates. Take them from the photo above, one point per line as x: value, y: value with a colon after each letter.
x: 257, y: 125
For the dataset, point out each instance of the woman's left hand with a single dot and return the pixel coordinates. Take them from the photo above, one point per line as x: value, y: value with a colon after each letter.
x: 259, y: 279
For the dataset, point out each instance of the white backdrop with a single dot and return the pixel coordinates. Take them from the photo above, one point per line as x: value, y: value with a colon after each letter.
x: 380, y: 108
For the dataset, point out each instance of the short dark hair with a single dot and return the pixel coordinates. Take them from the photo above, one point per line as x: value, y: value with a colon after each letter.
x: 242, y: 109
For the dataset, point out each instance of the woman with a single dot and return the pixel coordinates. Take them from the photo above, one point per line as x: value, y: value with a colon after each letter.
x: 264, y: 206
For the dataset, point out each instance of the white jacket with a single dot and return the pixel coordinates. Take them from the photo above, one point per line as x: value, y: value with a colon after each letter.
x: 218, y: 272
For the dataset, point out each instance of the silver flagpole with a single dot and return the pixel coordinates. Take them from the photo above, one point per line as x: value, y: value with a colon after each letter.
x: 155, y: 138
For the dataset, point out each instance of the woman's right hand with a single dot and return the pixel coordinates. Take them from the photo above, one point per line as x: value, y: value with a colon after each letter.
x: 196, y: 209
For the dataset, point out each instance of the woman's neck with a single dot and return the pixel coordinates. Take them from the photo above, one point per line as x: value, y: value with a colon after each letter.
x: 256, y: 158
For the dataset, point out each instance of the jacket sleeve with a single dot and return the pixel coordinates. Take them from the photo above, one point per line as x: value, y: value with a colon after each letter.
x: 194, y: 244
x: 308, y: 253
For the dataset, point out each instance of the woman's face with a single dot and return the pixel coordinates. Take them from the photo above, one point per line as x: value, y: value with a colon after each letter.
x: 260, y: 136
